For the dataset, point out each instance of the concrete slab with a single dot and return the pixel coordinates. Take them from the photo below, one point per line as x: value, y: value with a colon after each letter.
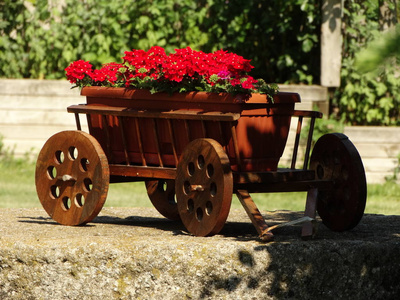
x: 134, y: 253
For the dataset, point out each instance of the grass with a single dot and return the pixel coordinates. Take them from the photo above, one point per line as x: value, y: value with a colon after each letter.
x: 17, y: 190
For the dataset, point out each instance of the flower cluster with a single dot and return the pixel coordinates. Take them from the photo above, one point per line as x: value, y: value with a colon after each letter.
x: 183, y: 71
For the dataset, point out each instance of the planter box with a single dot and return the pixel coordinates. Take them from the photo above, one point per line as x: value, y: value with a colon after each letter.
x: 261, y: 129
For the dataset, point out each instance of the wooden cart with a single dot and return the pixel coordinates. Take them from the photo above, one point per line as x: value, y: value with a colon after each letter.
x: 193, y: 181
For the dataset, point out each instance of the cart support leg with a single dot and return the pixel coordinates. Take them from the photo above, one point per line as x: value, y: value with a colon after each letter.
x: 308, y: 230
x: 255, y: 216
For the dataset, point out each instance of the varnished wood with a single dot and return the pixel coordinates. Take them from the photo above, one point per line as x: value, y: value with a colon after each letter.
x: 291, y: 186
x: 259, y: 121
x: 63, y: 184
x: 78, y: 122
x: 157, y: 143
x: 162, y: 196
x: 203, y: 200
x: 187, y: 131
x: 254, y: 214
x: 308, y: 114
x: 308, y: 229
x: 281, y: 175
x: 124, y: 143
x: 301, y: 114
x: 107, y: 133
x: 335, y: 159
x: 203, y: 129
x: 89, y: 122
x: 139, y: 142
x: 235, y: 146
x: 190, y: 97
x: 296, y: 142
x: 154, y: 114
x: 204, y: 187
x: 142, y: 172
x: 171, y: 134
x: 309, y: 141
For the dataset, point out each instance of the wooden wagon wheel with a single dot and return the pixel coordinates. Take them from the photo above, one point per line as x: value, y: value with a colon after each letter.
x: 335, y: 158
x: 162, y: 196
x: 204, y: 187
x: 72, y: 177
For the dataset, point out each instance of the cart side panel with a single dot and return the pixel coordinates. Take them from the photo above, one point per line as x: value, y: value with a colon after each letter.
x: 261, y: 142
x: 256, y: 143
x: 140, y: 133
x: 261, y: 139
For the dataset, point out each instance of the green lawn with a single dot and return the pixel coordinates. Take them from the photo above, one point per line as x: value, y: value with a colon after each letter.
x: 17, y: 190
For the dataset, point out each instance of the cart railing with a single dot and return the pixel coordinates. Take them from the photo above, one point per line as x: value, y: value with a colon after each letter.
x: 215, y: 116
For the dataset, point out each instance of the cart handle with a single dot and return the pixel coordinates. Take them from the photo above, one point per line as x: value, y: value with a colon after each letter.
x: 301, y: 114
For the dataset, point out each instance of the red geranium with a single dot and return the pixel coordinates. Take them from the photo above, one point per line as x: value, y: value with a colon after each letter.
x: 184, y: 70
x: 78, y: 70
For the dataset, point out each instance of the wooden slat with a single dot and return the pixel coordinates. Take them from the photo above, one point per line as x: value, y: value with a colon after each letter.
x: 157, y: 141
x: 307, y: 114
x: 283, y: 187
x: 78, y: 122
x: 108, y: 138
x: 235, y: 146
x: 140, y: 142
x: 296, y: 143
x: 124, y: 143
x: 309, y: 140
x: 281, y: 175
x: 171, y: 134
x: 187, y: 130
x: 143, y: 172
x: 173, y: 114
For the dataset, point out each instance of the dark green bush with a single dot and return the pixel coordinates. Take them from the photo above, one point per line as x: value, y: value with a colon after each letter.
x: 281, y: 37
x: 366, y: 98
x: 39, y: 38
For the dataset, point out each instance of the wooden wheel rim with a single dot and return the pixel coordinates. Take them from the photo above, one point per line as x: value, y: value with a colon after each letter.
x: 162, y: 196
x: 204, y: 187
x: 72, y: 177
x: 335, y: 158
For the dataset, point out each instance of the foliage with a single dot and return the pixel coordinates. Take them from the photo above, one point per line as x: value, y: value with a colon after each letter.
x: 322, y: 127
x: 39, y: 40
x: 383, y: 50
x: 366, y: 98
x: 396, y: 172
x: 185, y: 70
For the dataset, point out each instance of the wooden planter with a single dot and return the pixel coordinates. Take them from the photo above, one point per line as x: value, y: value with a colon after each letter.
x: 261, y: 128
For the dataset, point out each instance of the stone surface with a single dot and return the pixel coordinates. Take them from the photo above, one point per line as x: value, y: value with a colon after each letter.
x: 134, y: 253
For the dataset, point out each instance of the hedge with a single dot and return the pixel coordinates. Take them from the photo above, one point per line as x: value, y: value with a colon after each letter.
x: 281, y: 37
x: 39, y: 38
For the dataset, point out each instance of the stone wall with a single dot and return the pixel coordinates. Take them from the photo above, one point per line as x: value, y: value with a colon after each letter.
x: 129, y: 253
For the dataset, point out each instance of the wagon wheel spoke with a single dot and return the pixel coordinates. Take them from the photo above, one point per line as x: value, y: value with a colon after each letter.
x: 335, y: 158
x: 162, y: 196
x: 72, y: 177
x: 204, y: 187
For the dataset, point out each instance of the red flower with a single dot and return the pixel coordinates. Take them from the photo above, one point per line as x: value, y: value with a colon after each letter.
x: 78, y: 70
x: 248, y: 84
x: 185, y: 68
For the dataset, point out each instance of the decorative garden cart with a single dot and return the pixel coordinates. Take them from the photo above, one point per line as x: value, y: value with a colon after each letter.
x: 193, y: 151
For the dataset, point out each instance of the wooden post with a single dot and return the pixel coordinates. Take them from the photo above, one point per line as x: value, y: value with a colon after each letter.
x: 331, y: 42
